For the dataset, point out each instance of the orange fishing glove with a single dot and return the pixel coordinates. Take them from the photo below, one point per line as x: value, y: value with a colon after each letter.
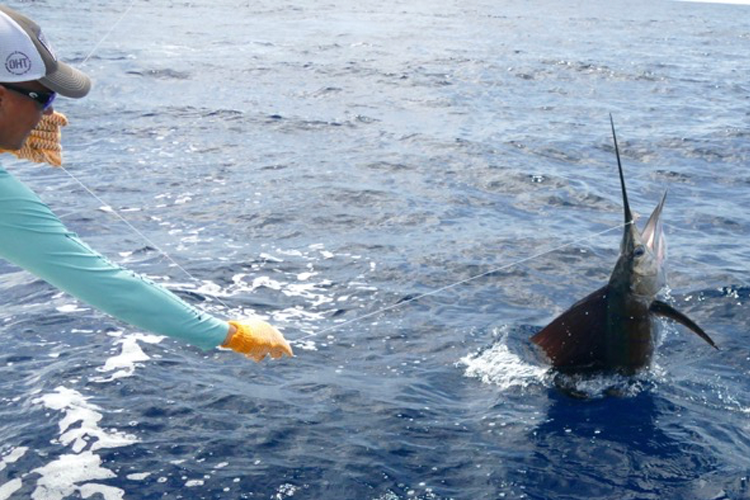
x: 255, y: 339
x: 43, y: 144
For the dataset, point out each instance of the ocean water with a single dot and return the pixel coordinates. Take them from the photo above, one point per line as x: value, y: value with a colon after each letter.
x: 327, y: 163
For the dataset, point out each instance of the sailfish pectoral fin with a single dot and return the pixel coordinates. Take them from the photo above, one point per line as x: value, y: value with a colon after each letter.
x: 576, y: 337
x: 663, y: 309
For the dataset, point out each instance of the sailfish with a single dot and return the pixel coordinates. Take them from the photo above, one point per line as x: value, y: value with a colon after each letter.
x: 614, y: 328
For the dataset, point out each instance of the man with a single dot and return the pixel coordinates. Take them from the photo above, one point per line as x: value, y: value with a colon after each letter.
x: 32, y: 237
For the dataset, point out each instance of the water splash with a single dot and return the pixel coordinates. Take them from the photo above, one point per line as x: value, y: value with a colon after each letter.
x: 499, y: 366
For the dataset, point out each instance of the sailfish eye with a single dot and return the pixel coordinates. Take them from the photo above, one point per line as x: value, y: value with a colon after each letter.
x: 639, y: 251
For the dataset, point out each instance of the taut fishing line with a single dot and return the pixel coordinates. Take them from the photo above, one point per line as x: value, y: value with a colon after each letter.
x: 401, y: 303
x: 145, y: 238
x: 466, y: 280
x: 106, y: 35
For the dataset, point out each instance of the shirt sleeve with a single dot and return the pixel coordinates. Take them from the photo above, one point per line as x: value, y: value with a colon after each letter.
x: 32, y: 237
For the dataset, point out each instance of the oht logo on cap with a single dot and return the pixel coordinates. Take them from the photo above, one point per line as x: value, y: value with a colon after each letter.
x: 18, y: 63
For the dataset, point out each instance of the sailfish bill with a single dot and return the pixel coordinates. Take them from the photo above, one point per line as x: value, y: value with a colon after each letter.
x: 614, y: 328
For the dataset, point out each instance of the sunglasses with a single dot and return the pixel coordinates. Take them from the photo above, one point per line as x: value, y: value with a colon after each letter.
x: 45, y: 99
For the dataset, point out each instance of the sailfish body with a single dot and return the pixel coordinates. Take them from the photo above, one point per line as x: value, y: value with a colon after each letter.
x: 614, y: 328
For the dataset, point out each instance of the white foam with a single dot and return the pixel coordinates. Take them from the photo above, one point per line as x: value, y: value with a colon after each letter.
x: 601, y: 385
x: 210, y: 288
x: 285, y: 491
x: 130, y: 357
x: 271, y: 258
x: 296, y: 314
x: 238, y: 278
x: 500, y: 367
x: 79, y: 411
x: 9, y: 488
x: 71, y: 308
x: 13, y: 456
x: 79, y: 429
x: 290, y: 253
x: 138, y: 476
x: 265, y: 281
x: 61, y: 478
x: 306, y: 314
x: 305, y: 345
x: 309, y: 291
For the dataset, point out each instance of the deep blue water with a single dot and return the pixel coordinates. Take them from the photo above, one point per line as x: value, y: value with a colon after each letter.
x: 316, y: 162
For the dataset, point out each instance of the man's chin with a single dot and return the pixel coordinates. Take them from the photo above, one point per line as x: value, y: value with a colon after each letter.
x: 12, y: 146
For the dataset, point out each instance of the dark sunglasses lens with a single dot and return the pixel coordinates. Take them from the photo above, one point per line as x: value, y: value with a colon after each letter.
x: 50, y: 98
x: 44, y: 98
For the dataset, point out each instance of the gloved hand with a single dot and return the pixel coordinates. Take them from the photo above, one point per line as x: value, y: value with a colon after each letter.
x: 255, y: 338
x: 43, y: 144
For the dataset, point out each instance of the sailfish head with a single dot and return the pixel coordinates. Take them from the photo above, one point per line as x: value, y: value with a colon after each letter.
x: 640, y: 265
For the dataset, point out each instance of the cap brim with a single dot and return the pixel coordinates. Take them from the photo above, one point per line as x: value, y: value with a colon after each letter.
x: 67, y: 81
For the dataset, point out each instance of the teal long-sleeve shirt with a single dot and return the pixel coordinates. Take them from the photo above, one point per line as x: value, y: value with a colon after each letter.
x: 33, y: 238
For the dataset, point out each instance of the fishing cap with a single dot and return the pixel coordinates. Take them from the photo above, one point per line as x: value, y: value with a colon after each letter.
x: 26, y: 55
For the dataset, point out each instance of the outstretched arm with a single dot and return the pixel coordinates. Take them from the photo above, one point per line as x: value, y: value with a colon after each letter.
x: 32, y: 237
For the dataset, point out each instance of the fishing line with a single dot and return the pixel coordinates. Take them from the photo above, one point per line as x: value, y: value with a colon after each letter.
x: 401, y: 303
x: 145, y: 238
x: 108, y: 206
x: 466, y: 280
x: 106, y: 35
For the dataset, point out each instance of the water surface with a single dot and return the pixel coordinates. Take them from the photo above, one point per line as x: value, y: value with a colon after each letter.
x: 316, y: 162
